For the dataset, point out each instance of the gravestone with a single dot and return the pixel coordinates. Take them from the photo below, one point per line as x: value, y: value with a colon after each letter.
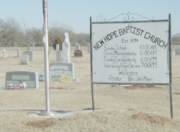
x: 41, y: 77
x: 26, y: 57
x: 4, y: 53
x: 58, y: 52
x: 22, y: 79
x: 78, y: 51
x: 177, y: 51
x: 88, y: 48
x: 9, y: 52
x: 62, y: 70
x: 66, y: 49
x: 30, y: 54
x: 18, y: 53
x: 77, y: 46
x: 57, y: 46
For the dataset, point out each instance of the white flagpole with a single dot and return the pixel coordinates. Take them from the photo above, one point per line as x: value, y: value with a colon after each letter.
x: 46, y: 59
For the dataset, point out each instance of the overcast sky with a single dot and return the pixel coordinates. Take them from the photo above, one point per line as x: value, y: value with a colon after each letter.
x: 74, y: 14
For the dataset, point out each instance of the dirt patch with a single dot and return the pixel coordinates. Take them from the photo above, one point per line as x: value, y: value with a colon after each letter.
x: 177, y: 93
x: 155, y: 119
x: 131, y: 109
x: 41, y: 123
x: 134, y: 87
x: 58, y: 88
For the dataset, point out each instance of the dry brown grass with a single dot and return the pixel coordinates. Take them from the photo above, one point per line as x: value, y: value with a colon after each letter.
x: 136, y: 87
x: 120, y: 109
x: 155, y: 119
x: 42, y: 124
x: 177, y: 93
x: 58, y: 88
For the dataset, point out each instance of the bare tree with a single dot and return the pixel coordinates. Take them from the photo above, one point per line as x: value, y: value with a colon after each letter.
x: 11, y: 34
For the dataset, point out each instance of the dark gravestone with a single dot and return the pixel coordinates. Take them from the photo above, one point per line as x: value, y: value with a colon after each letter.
x: 78, y: 51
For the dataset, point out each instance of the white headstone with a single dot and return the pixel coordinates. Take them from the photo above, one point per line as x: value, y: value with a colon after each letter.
x: 63, y: 68
x: 58, y: 53
x: 66, y: 49
x: 58, y: 56
x: 18, y: 53
x: 4, y: 53
x: 77, y: 46
x: 25, y: 59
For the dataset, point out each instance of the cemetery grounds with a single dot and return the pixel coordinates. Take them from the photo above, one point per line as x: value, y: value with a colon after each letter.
x: 118, y: 108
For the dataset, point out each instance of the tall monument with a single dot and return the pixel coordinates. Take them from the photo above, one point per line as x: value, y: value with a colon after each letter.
x: 66, y: 49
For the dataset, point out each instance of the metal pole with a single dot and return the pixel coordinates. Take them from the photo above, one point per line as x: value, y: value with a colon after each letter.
x: 92, y: 85
x: 46, y: 59
x: 170, y: 70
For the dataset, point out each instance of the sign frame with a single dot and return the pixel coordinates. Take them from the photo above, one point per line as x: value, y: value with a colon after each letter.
x: 169, y: 59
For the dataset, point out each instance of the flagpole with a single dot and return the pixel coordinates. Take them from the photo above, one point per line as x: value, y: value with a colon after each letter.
x: 46, y: 59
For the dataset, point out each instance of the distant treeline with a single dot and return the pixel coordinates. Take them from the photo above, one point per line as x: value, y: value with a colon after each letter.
x: 12, y: 34
x: 176, y: 39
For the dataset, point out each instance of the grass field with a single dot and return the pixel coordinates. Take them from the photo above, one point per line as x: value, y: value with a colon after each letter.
x: 118, y: 108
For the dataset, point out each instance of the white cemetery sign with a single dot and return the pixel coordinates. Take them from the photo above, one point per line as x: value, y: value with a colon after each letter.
x: 130, y: 53
x: 22, y: 79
